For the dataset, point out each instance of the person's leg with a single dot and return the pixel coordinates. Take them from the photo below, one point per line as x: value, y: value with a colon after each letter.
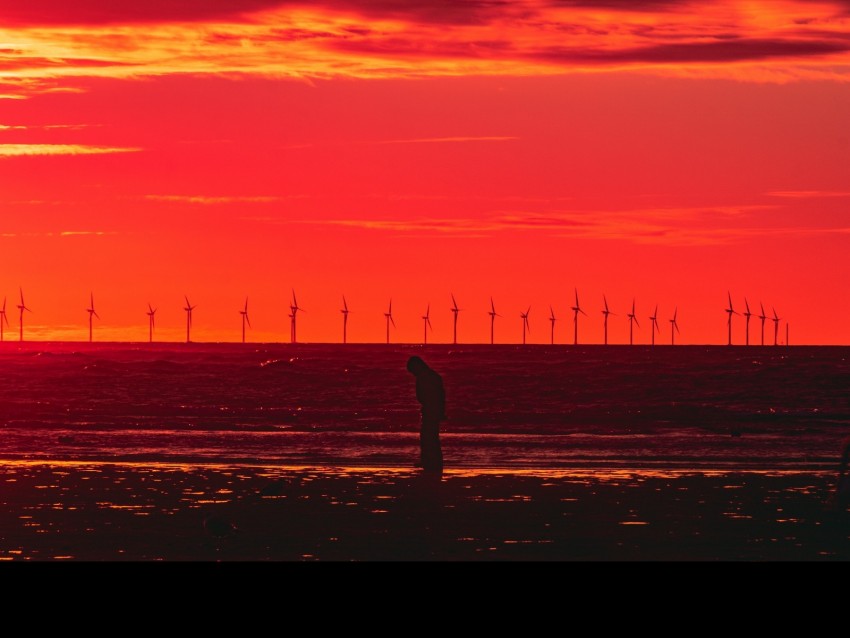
x: 432, y: 454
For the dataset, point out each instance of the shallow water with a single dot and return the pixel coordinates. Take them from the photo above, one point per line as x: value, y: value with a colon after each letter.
x: 354, y: 405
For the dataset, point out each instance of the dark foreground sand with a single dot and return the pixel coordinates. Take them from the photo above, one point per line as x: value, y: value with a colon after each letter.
x: 121, y: 512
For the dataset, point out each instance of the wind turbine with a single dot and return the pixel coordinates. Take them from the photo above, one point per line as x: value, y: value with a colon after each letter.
x: 151, y: 312
x: 293, y: 307
x: 730, y: 311
x: 493, y: 314
x: 654, y: 327
x: 189, y: 308
x: 748, y: 314
x: 455, y: 310
x: 674, y: 327
x: 22, y: 306
x: 3, y: 318
x: 426, y: 319
x: 525, y: 324
x: 762, y: 316
x: 92, y: 313
x: 344, y: 312
x: 606, y: 312
x: 577, y: 309
x: 776, y: 321
x: 632, y: 320
x: 389, y: 315
x: 552, y: 320
x: 245, y: 319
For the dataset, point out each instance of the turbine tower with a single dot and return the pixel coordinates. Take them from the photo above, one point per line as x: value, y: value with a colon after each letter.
x: 245, y: 319
x: 3, y: 318
x: 151, y: 312
x: 294, y: 308
x: 730, y: 311
x: 189, y: 308
x: 654, y: 327
x: 552, y: 320
x: 776, y: 321
x: 674, y: 327
x: 455, y: 310
x: 762, y: 316
x: 606, y: 312
x: 576, y: 309
x: 748, y: 314
x: 22, y: 306
x: 92, y: 313
x: 525, y: 324
x: 426, y: 320
x: 389, y: 315
x: 493, y: 316
x: 344, y: 312
x: 632, y: 320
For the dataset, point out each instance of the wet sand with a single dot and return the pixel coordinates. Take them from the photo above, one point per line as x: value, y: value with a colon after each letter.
x: 147, y: 512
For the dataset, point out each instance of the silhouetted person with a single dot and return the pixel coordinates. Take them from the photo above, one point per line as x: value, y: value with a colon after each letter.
x: 432, y: 396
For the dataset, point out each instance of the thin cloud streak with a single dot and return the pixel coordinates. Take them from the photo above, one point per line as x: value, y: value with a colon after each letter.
x: 63, y: 233
x: 29, y: 150
x: 208, y: 200
x: 439, y: 140
x: 808, y: 194
x: 668, y: 226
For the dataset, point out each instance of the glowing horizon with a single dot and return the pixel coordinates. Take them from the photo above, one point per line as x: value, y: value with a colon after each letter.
x: 669, y: 153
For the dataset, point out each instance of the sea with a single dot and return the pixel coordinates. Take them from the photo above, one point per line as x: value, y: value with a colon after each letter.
x: 509, y: 407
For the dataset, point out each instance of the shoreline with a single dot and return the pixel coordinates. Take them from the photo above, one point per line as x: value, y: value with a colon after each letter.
x: 141, y: 512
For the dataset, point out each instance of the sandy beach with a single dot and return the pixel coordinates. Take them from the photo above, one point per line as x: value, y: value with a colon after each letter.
x: 156, y: 512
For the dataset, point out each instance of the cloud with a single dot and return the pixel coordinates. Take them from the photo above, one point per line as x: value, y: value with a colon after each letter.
x: 211, y: 200
x: 438, y: 140
x: 808, y: 194
x: 73, y: 233
x: 100, y: 12
x: 718, y: 51
x: 27, y: 150
x: 63, y: 233
x: 44, y: 127
x: 677, y: 227
x: 395, y: 38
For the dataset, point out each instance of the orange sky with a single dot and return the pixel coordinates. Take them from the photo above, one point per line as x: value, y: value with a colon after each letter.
x: 379, y: 150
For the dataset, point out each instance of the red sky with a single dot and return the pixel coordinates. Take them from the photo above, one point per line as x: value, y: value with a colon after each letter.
x: 377, y: 150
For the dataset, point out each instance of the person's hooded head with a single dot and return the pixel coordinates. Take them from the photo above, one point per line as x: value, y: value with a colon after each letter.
x: 416, y: 366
